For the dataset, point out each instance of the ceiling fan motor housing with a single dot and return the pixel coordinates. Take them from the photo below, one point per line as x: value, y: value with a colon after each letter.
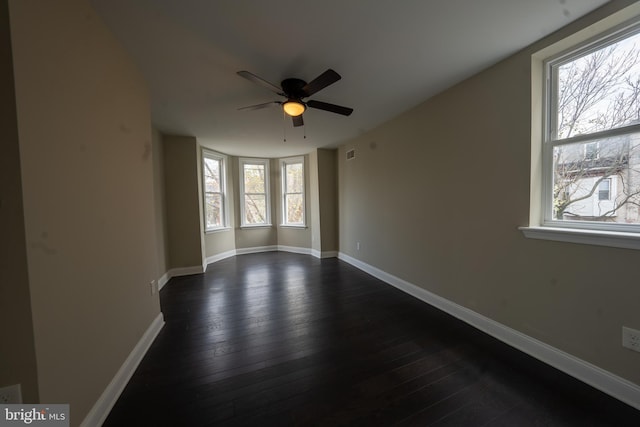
x: 294, y: 88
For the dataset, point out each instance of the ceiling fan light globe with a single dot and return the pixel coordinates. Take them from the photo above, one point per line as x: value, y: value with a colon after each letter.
x: 294, y: 108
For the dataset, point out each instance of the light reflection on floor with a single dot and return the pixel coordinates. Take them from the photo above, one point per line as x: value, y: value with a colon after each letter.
x: 252, y: 320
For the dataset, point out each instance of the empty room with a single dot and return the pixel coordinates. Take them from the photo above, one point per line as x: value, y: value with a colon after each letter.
x: 236, y: 213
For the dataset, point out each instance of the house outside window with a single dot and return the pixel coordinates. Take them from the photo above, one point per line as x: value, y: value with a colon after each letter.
x: 214, y: 185
x: 254, y: 192
x: 591, y: 149
x: 293, y: 197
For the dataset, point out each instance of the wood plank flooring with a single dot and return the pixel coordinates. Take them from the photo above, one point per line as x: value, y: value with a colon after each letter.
x: 279, y: 339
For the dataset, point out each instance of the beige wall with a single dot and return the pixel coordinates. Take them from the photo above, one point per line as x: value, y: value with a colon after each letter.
x: 314, y: 196
x: 85, y: 146
x: 219, y: 242
x: 294, y: 237
x: 162, y: 248
x: 182, y: 201
x: 435, y: 197
x: 328, y: 195
x: 17, y: 357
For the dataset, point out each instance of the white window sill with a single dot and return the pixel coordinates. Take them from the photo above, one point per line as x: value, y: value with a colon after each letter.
x: 248, y: 227
x: 217, y: 230
x: 614, y: 239
x: 302, y: 227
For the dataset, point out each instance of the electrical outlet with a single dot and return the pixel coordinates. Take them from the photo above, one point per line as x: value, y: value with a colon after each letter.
x: 153, y: 286
x: 631, y: 338
x: 357, y: 246
x: 11, y: 394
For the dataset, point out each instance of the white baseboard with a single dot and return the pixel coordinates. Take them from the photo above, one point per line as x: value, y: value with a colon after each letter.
x: 596, y: 377
x: 308, y: 251
x: 185, y: 271
x: 163, y: 281
x: 176, y: 272
x: 274, y: 248
x: 324, y: 254
x: 220, y: 256
x: 295, y: 249
x: 98, y: 414
x: 256, y: 249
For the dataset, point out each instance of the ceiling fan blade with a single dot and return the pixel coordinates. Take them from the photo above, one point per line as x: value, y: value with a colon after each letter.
x: 320, y: 82
x: 260, y: 106
x: 345, y: 111
x: 297, y: 120
x: 259, y: 80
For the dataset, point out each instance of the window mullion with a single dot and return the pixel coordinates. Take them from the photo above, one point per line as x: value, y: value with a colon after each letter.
x: 551, y: 119
x: 597, y: 135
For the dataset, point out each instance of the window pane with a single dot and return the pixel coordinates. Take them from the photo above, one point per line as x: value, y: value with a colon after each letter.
x: 255, y: 209
x: 254, y: 178
x: 295, y: 178
x: 604, y: 188
x: 213, y: 210
x: 212, y: 175
x: 294, y: 205
x: 591, y: 150
x: 600, y: 90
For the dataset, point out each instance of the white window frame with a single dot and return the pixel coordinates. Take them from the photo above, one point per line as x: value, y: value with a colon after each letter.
x: 538, y: 228
x: 207, y: 154
x: 267, y: 192
x: 549, y: 138
x: 284, y: 192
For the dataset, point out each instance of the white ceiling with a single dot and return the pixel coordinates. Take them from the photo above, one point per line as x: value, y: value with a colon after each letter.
x: 392, y: 55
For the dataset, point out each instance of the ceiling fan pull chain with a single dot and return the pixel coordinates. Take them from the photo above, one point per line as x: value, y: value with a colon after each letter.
x: 284, y: 126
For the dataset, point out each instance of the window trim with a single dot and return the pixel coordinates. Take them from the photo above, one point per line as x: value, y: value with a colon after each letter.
x: 612, y: 239
x: 620, y: 19
x: 223, y: 190
x: 255, y: 161
x: 283, y: 184
x: 549, y: 139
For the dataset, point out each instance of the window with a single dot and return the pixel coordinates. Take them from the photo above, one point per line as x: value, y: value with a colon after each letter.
x: 591, y: 149
x: 254, y: 193
x: 604, y: 189
x: 293, y: 191
x: 213, y: 166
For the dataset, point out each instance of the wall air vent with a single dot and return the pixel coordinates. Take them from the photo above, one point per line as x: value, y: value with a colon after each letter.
x: 351, y: 154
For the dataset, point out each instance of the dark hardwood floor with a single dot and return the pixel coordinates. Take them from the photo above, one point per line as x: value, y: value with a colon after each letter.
x: 279, y: 339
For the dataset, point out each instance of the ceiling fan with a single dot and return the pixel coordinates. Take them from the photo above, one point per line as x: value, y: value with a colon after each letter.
x: 294, y: 90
